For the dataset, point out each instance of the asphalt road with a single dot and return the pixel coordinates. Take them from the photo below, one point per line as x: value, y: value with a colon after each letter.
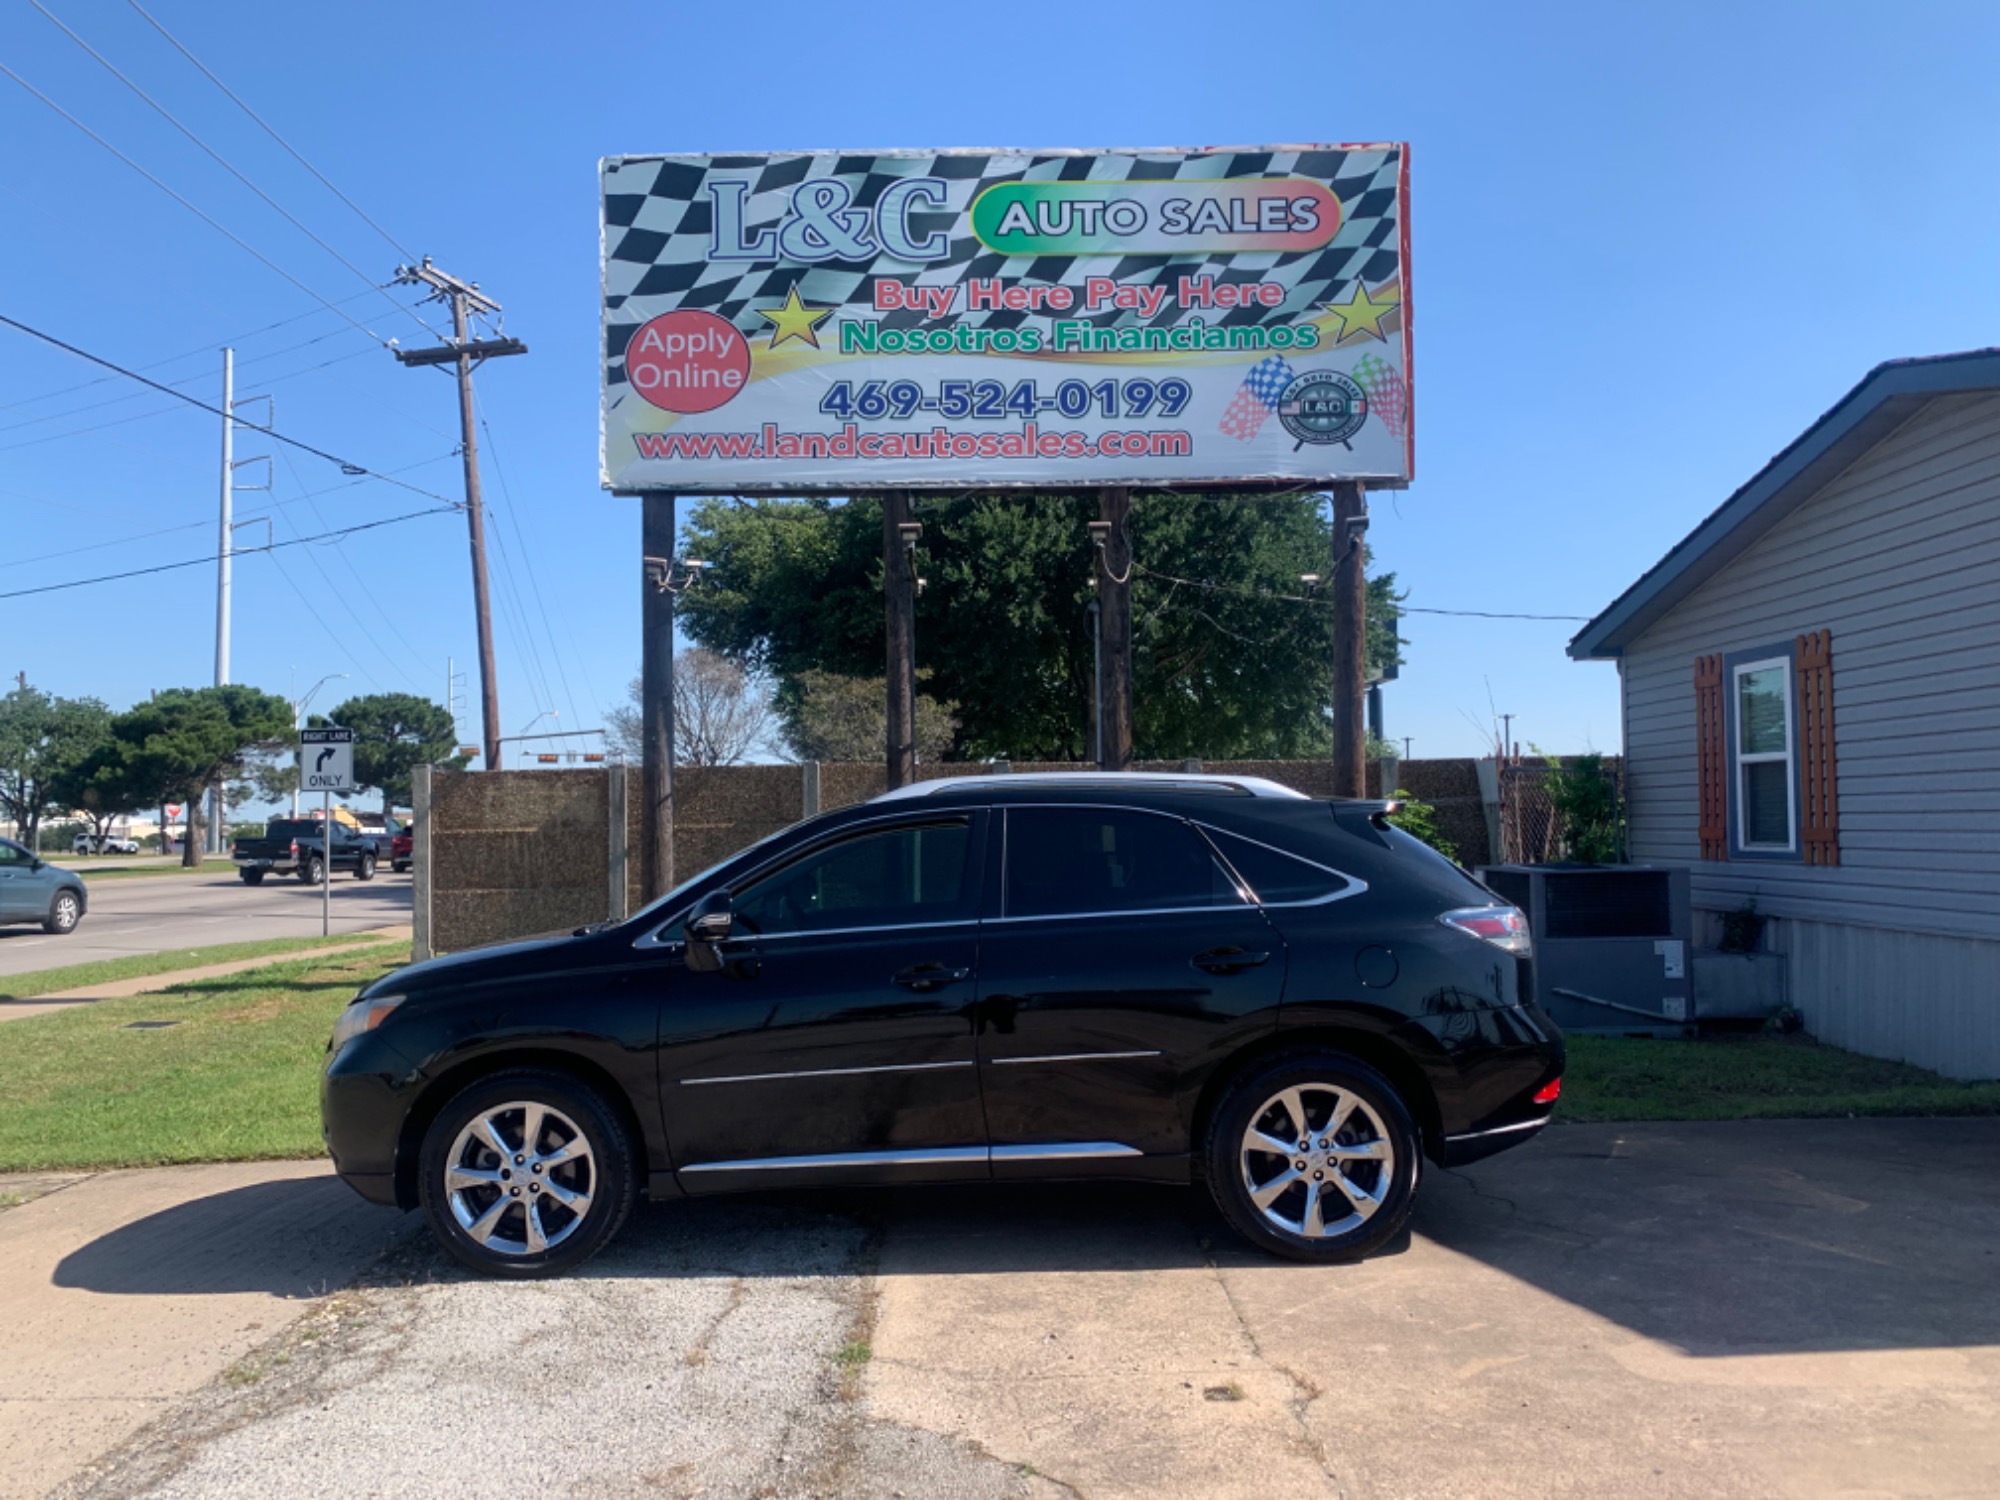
x: 142, y: 915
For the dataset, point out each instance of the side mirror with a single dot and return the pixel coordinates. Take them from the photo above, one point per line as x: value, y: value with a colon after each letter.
x: 710, y: 921
x: 708, y: 924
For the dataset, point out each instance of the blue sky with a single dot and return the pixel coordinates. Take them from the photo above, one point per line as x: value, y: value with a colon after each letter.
x: 1650, y: 244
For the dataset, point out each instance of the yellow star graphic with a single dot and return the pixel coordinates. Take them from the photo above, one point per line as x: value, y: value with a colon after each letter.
x: 1360, y: 313
x: 795, y: 320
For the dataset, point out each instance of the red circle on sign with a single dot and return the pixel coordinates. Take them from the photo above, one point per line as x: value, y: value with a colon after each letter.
x: 688, y: 361
x: 173, y: 809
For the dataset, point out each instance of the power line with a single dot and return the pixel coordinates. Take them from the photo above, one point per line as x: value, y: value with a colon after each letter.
x: 1401, y: 609
x: 221, y: 161
x: 346, y: 466
x: 145, y: 536
x: 198, y: 562
x: 205, y: 349
x: 289, y: 147
x: 213, y: 223
x: 534, y: 579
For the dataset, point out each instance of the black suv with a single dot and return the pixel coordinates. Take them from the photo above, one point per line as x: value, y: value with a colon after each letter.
x: 996, y: 978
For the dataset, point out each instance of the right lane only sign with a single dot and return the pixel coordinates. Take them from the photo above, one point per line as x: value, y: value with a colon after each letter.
x: 326, y: 760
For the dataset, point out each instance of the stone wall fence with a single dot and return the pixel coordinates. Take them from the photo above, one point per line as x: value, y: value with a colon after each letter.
x: 499, y: 855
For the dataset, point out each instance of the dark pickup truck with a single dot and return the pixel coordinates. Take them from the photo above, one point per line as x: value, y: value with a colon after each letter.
x: 295, y: 846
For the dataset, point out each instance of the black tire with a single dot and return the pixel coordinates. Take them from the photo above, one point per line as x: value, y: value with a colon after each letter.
x: 252, y: 877
x: 400, y: 866
x: 1236, y: 1168
x: 65, y: 911
x: 364, y: 868
x: 611, y: 1183
x: 312, y: 870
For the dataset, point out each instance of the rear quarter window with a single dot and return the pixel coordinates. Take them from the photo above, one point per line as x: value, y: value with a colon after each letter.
x: 1275, y: 877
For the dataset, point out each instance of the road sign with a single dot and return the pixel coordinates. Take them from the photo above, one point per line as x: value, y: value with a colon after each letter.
x: 326, y: 760
x: 173, y: 811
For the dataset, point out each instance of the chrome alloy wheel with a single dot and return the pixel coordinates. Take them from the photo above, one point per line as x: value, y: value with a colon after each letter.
x: 520, y: 1178
x: 66, y: 912
x: 1317, y: 1160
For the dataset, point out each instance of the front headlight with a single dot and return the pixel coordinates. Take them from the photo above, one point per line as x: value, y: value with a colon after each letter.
x: 360, y: 1016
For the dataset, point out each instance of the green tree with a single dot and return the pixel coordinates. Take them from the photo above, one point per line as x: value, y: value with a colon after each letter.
x: 103, y: 785
x: 181, y: 742
x: 394, y: 733
x: 41, y: 739
x: 827, y: 717
x: 1231, y: 651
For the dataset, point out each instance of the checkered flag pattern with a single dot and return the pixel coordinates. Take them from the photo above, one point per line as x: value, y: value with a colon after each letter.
x: 658, y: 218
x: 1256, y: 398
x: 1388, y: 397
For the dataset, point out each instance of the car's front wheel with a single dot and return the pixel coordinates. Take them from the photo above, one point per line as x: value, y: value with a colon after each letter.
x: 64, y: 913
x: 526, y: 1173
x: 1312, y: 1154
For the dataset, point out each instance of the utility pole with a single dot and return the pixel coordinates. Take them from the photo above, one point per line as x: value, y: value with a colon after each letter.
x: 1350, y: 638
x: 899, y: 545
x: 467, y: 354
x: 225, y: 531
x: 1112, y: 534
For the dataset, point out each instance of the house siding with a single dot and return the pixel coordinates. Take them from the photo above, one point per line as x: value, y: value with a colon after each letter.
x: 1899, y: 557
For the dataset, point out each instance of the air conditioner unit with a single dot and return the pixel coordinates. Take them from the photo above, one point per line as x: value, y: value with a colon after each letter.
x: 1611, y: 943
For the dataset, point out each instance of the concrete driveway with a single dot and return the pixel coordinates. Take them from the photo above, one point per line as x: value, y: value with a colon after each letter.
x: 1756, y: 1310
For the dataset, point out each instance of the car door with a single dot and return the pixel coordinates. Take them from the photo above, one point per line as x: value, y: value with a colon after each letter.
x: 836, y: 1040
x: 1119, y: 962
x: 23, y: 891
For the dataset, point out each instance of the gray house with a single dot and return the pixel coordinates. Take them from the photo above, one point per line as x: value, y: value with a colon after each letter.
x: 1810, y: 689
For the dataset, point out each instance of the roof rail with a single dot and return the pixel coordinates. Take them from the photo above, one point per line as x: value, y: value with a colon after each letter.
x: 1184, y: 781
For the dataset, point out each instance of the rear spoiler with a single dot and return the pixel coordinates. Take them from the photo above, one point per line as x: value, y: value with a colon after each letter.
x: 1363, y: 816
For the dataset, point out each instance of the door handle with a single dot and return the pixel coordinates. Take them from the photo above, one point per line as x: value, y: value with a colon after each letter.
x: 926, y: 977
x: 1229, y: 960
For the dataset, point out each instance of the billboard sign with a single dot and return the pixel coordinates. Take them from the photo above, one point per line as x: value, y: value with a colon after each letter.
x: 983, y: 319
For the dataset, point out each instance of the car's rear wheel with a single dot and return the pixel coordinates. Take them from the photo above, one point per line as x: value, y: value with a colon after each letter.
x: 364, y: 869
x: 400, y: 866
x: 252, y: 877
x: 312, y: 871
x: 64, y: 913
x: 526, y: 1173
x: 1312, y: 1155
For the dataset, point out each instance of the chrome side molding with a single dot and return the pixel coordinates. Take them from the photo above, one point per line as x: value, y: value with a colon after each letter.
x: 927, y: 1157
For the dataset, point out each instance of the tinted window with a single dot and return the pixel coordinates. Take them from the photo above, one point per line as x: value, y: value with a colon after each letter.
x: 1277, y: 877
x: 12, y: 853
x: 284, y: 828
x: 898, y: 876
x: 1072, y: 860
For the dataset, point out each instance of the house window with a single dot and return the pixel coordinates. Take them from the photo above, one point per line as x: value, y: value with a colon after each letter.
x: 1765, y: 782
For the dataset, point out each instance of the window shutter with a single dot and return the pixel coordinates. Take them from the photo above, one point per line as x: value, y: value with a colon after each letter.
x: 1711, y: 758
x: 1819, y: 803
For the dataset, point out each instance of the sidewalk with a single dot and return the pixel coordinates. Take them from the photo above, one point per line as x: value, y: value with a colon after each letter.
x: 126, y: 1291
x: 153, y: 984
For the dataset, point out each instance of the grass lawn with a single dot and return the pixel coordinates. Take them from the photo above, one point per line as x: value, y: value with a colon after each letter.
x: 109, y: 970
x: 212, y: 866
x: 236, y: 1080
x: 1751, y: 1078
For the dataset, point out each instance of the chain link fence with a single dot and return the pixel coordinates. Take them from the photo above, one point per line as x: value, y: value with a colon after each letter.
x: 1534, y: 830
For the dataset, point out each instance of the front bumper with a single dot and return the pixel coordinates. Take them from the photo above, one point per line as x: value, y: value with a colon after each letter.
x: 365, y: 1094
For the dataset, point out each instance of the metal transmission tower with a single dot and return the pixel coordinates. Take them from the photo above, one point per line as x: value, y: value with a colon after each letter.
x: 467, y: 354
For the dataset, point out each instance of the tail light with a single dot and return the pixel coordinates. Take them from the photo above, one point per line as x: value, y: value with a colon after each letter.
x: 1549, y: 1092
x: 1502, y: 926
x: 295, y: 846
